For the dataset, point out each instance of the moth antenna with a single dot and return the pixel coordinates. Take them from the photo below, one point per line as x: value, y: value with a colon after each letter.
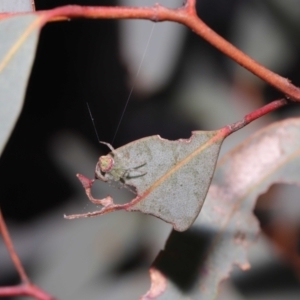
x: 134, y: 82
x: 93, y: 121
x: 109, y: 146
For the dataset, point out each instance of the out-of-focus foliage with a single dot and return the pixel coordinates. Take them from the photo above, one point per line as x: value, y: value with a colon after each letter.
x: 194, y: 263
x: 80, y: 61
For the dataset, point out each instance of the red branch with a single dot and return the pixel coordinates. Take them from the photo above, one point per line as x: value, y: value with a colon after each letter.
x: 26, y: 288
x: 11, y: 250
x: 187, y: 16
x: 255, y: 115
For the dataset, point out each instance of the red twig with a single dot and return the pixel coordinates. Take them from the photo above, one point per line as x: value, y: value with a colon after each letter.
x: 255, y: 115
x: 187, y: 16
x: 26, y: 288
x: 11, y: 250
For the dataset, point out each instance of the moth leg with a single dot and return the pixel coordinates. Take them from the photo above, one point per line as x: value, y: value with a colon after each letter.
x: 99, y: 175
x: 139, y: 166
x: 113, y: 150
x: 127, y: 175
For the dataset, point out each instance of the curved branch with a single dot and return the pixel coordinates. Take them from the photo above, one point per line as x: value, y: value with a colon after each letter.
x: 229, y: 129
x: 10, y: 247
x: 282, y: 84
x: 185, y: 15
x: 25, y: 290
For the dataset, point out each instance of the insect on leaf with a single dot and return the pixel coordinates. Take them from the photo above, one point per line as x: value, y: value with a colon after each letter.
x: 171, y: 178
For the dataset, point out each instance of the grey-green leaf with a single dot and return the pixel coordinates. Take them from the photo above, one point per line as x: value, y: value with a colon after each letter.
x: 18, y: 37
x: 178, y: 176
x: 171, y: 178
x: 226, y: 227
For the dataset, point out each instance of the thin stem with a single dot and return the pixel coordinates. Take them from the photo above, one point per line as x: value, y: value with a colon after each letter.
x: 255, y: 115
x: 11, y: 250
x: 282, y: 84
x: 25, y: 290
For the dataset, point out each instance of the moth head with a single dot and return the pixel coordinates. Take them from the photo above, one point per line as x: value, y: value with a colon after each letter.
x: 105, y: 163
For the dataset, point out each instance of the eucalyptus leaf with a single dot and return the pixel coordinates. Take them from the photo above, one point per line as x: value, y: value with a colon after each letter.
x: 194, y: 262
x: 18, y: 36
x: 9, y: 6
x: 171, y: 178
